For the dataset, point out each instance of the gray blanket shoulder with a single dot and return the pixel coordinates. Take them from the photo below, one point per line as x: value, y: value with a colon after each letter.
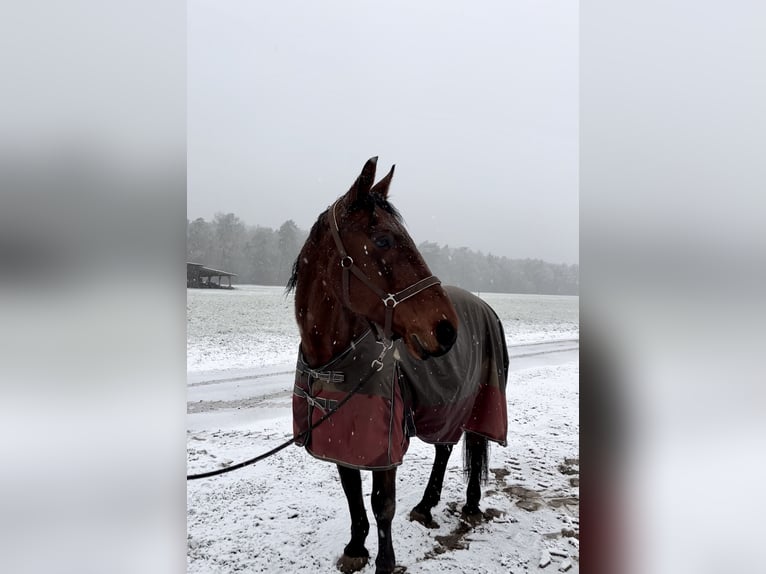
x: 465, y: 388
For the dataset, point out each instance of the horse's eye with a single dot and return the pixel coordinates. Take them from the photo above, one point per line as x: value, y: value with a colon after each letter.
x: 382, y: 241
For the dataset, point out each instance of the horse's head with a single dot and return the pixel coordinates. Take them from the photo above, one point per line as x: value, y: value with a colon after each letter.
x: 370, y: 266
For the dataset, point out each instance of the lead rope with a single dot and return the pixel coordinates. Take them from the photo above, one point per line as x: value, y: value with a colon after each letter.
x: 375, y: 366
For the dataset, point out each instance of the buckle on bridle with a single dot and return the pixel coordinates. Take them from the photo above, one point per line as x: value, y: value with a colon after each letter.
x: 346, y: 262
x: 392, y: 300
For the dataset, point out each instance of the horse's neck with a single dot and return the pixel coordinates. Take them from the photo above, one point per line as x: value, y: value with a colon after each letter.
x: 327, y: 328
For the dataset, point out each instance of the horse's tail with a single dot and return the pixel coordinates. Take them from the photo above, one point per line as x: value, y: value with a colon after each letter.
x: 476, y: 456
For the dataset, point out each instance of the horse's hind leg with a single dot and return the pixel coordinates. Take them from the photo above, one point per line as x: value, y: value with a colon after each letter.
x: 355, y: 555
x: 476, y: 465
x: 433, y: 492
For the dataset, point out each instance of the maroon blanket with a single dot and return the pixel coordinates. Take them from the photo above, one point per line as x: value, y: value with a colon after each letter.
x: 440, y: 397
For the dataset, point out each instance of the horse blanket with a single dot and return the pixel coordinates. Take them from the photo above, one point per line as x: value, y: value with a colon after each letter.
x: 434, y: 399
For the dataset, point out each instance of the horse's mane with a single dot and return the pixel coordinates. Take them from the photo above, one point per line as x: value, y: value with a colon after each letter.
x: 313, y: 237
x: 368, y: 202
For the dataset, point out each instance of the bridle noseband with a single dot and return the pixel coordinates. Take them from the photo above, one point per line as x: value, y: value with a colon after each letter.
x: 390, y: 300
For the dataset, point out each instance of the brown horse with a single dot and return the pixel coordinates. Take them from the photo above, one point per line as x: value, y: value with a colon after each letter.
x: 433, y: 358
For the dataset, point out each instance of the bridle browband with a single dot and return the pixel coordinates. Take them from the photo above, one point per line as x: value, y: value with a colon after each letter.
x: 390, y: 300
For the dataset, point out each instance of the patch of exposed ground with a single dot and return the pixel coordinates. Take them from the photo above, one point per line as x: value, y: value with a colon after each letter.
x: 457, y: 538
x: 563, y: 543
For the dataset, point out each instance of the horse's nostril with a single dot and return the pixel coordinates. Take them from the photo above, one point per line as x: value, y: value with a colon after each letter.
x: 445, y: 334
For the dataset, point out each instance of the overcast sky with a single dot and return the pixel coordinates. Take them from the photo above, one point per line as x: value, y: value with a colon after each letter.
x: 475, y: 103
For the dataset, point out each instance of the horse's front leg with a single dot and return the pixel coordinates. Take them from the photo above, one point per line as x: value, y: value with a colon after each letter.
x: 355, y: 555
x: 384, y: 507
x: 422, y: 512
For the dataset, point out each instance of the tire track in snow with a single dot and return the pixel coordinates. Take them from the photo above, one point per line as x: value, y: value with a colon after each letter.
x: 263, y: 399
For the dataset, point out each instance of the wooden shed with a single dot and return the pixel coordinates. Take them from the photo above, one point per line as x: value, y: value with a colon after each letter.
x: 200, y: 277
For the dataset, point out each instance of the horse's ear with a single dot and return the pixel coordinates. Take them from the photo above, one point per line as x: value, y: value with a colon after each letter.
x: 382, y: 186
x: 365, y: 180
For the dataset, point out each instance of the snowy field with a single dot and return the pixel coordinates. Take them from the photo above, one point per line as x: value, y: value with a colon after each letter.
x: 253, y: 326
x: 288, y: 513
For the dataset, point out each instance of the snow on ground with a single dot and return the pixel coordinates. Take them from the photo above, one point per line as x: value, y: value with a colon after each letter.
x: 246, y: 327
x: 288, y: 513
x: 536, y: 318
x: 253, y: 326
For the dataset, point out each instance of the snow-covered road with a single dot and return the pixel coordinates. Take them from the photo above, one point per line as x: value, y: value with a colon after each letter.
x: 239, y: 388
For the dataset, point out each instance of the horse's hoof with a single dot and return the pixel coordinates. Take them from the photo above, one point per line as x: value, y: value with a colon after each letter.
x: 348, y: 564
x: 397, y: 570
x: 472, y: 515
x: 423, y: 518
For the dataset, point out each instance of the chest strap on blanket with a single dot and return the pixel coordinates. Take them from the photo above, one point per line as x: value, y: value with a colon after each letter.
x: 325, y: 405
x: 326, y: 376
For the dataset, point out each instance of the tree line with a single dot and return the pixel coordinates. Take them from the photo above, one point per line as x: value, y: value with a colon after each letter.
x: 264, y: 256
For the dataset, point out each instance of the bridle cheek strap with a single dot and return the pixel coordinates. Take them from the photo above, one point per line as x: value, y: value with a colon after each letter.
x: 390, y: 300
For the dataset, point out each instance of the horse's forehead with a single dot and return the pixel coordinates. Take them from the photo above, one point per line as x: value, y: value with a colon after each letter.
x: 382, y: 219
x: 376, y: 218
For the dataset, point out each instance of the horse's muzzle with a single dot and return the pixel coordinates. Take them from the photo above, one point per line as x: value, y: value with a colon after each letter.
x: 446, y: 335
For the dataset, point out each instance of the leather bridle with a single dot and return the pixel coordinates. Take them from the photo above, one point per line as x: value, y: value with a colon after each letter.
x: 390, y: 300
